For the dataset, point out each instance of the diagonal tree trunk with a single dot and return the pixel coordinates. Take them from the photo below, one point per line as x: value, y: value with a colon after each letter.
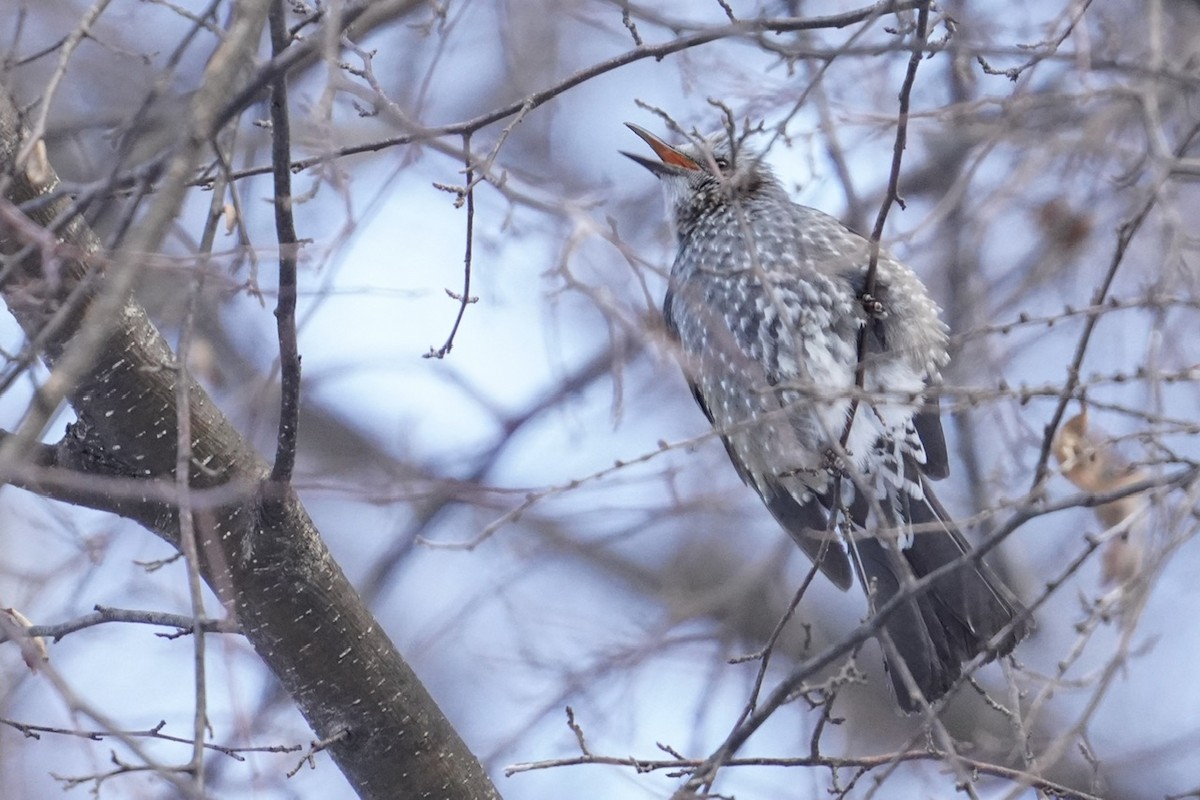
x: 259, y: 550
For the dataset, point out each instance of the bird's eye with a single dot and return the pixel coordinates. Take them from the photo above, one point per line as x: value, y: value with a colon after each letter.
x: 721, y: 162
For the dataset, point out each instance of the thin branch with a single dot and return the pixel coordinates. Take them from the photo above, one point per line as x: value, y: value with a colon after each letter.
x: 870, y: 304
x: 901, y: 142
x: 764, y: 654
x: 285, y: 232
x: 189, y: 543
x: 316, y: 747
x: 641, y: 765
x: 104, y: 615
x: 37, y: 731
x: 465, y: 299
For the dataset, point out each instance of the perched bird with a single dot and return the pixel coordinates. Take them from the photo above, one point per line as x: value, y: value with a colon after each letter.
x: 768, y: 300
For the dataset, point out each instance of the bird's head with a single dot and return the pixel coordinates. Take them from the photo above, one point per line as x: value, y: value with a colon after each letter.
x: 706, y: 174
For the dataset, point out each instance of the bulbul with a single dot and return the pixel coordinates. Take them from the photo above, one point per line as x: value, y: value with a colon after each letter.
x: 768, y: 300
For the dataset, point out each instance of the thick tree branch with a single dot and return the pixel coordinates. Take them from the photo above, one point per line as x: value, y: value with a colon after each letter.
x: 267, y: 562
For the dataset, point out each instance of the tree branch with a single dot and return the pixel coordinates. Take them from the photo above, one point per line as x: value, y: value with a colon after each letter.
x: 285, y: 232
x: 266, y: 562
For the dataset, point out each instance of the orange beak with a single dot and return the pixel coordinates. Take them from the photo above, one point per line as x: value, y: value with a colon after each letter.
x: 670, y: 159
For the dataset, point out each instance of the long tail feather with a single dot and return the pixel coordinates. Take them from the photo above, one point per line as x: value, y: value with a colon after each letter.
x: 954, y: 620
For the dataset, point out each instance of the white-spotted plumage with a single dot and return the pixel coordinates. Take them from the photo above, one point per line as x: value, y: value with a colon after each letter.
x: 767, y: 300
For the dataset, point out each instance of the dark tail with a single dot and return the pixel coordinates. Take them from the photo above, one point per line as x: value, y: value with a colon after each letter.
x: 963, y: 614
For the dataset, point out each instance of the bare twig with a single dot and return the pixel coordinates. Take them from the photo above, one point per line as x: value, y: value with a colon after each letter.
x: 37, y: 731
x: 104, y: 614
x: 1015, y: 776
x: 316, y: 747
x: 465, y: 299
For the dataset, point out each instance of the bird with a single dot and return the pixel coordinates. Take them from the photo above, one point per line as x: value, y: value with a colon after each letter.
x: 774, y: 309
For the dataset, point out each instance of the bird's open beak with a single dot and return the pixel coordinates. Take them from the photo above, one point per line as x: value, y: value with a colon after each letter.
x: 671, y: 160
